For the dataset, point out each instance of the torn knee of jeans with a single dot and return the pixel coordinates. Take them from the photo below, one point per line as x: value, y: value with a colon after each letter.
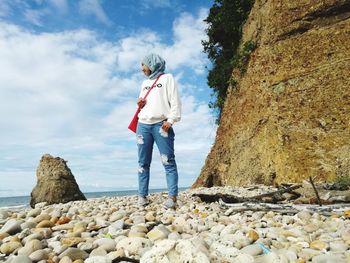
x: 141, y: 169
x: 165, y: 159
x: 139, y: 139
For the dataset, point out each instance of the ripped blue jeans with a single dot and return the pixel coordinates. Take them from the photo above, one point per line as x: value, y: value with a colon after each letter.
x: 146, y: 135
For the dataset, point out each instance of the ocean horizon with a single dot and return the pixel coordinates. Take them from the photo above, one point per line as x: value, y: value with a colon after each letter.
x: 23, y: 201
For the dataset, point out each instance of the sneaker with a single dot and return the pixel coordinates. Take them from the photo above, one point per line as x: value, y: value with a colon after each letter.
x: 142, y: 201
x: 169, y: 203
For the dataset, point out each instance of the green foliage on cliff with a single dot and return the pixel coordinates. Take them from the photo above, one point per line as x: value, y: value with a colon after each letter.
x: 342, y: 182
x: 225, y: 21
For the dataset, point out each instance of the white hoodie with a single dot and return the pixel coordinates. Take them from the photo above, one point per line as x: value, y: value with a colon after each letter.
x: 163, y: 101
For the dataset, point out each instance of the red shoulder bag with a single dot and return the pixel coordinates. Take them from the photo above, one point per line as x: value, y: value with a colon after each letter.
x: 133, y: 124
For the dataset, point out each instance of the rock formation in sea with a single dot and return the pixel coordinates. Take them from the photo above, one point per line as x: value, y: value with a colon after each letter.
x: 289, y: 116
x: 55, y: 182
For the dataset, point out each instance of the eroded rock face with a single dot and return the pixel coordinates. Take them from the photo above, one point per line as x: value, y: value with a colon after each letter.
x: 55, y: 182
x: 290, y: 116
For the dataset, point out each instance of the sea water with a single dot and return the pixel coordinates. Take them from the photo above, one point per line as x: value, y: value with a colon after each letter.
x: 23, y: 201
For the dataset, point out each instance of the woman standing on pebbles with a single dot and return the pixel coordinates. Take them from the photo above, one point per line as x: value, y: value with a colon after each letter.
x: 156, y: 118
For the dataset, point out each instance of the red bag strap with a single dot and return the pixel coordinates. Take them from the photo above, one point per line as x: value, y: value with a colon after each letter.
x: 152, y: 86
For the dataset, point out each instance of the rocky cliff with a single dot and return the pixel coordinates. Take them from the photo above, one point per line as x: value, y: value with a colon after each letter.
x: 289, y: 117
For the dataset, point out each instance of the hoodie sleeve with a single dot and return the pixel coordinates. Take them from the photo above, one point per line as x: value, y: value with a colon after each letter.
x: 174, y: 101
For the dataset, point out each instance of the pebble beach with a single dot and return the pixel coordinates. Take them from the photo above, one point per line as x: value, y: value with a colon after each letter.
x: 102, y: 230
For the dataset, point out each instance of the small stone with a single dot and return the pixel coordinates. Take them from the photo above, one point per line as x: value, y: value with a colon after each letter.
x: 150, y: 216
x: 45, y: 232
x: 37, y: 236
x: 42, y: 217
x: 134, y: 245
x: 28, y: 225
x: 30, y: 247
x: 319, y: 245
x: 65, y: 260
x: 20, y: 259
x: 346, y: 235
x: 179, y: 224
x: 347, y: 214
x: 139, y: 228
x: 138, y: 220
x: 310, y: 228
x: 87, y: 246
x: 11, y: 227
x: 63, y: 220
x: 98, y: 259
x: 270, y: 214
x: 106, y: 243
x: 136, y: 234
x: 308, y: 253
x: 118, y: 225
x: 40, y: 205
x: 71, y: 242
x: 304, y: 216
x: 328, y: 259
x: 244, y: 258
x: 253, y: 235
x: 34, y: 212
x: 56, y: 214
x: 57, y: 247
x: 290, y: 255
x: 159, y: 232
x: 39, y: 255
x: 24, y: 233
x: 203, y: 214
x: 338, y: 246
x: 253, y: 250
x: 98, y: 252
x: 74, y: 253
x: 63, y: 227
x: 79, y: 228
x: 159, y: 250
x: 116, y: 254
x: 4, y: 214
x: 117, y: 216
x: 223, y: 252
x: 174, y: 236
x: 9, y: 247
x: 269, y: 258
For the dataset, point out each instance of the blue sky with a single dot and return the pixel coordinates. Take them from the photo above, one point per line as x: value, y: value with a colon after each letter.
x: 69, y: 78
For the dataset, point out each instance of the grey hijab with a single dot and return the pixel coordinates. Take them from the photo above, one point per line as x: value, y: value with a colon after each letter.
x: 155, y: 63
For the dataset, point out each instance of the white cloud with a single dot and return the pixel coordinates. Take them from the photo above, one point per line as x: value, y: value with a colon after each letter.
x: 4, y: 8
x: 94, y: 8
x: 7, y: 6
x: 60, y: 5
x: 185, y: 51
x: 64, y: 94
x: 35, y: 16
x: 148, y: 4
x: 187, y: 47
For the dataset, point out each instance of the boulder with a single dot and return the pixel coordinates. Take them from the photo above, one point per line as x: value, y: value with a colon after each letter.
x: 55, y: 182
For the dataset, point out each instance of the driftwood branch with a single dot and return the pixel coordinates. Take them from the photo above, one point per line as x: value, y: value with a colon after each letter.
x: 326, y: 210
x: 314, y: 187
x: 125, y: 259
x: 273, y: 196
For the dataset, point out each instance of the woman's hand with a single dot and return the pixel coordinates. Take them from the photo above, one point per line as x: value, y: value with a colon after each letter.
x: 141, y: 102
x: 166, y: 126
